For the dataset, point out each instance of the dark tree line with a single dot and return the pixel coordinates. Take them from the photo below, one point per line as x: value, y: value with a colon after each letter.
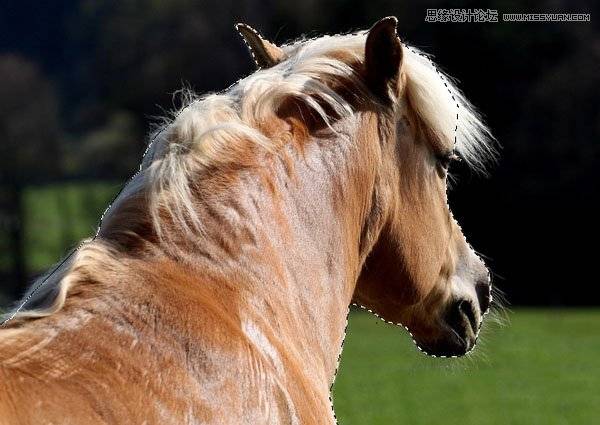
x: 29, y: 129
x: 79, y: 92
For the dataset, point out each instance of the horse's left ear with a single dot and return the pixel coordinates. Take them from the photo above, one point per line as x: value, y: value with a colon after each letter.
x: 264, y: 53
x: 383, y: 57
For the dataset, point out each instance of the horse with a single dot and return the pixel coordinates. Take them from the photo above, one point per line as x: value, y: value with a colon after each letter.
x: 218, y: 286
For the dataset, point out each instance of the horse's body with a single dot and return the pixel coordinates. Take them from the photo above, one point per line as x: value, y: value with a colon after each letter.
x: 171, y: 355
x: 218, y: 287
x: 236, y: 337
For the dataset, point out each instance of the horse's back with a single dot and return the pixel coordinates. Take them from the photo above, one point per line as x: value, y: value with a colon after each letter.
x: 26, y: 400
x: 43, y: 379
x: 7, y: 407
x: 176, y: 354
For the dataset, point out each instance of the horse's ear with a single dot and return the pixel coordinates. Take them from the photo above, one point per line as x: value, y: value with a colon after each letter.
x: 264, y: 53
x: 383, y: 56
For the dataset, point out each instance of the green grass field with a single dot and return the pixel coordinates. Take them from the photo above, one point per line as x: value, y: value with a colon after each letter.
x: 56, y: 218
x: 542, y: 368
x: 59, y: 216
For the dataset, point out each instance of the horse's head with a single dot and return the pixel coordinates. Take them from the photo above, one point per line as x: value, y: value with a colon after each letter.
x: 420, y: 271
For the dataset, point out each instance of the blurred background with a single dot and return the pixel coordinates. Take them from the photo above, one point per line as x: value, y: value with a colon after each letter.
x: 82, y: 81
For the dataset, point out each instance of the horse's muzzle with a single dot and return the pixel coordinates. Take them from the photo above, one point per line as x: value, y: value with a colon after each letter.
x: 460, y: 325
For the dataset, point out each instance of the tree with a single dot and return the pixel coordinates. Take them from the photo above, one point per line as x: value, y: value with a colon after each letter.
x: 29, y: 129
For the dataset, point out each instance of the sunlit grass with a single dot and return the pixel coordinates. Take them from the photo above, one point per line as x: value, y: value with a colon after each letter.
x: 543, y: 368
x: 59, y: 216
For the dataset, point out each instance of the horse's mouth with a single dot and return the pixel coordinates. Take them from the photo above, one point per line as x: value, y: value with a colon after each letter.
x: 451, y: 345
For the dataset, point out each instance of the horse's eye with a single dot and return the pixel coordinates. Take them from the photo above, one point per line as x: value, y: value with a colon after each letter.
x: 445, y: 159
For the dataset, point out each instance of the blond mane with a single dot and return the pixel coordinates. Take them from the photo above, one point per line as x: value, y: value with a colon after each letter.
x: 212, y: 131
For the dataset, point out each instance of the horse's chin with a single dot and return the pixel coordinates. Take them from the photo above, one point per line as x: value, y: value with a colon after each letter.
x: 448, y: 344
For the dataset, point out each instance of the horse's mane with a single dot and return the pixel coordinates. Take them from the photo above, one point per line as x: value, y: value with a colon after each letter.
x: 216, y: 130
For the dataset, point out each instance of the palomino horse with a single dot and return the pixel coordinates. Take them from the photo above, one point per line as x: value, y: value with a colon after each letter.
x: 217, y: 288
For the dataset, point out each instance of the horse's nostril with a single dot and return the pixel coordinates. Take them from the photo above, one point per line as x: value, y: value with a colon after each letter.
x: 461, y: 316
x: 484, y: 296
x: 466, y: 308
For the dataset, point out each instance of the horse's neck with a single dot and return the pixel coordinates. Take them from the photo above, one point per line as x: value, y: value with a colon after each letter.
x: 294, y: 233
x: 287, y: 241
